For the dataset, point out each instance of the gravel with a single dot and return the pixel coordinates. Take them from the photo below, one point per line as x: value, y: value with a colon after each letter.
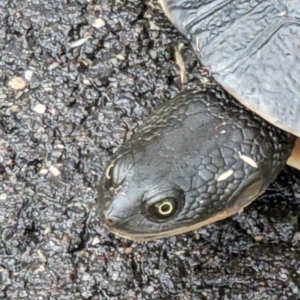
x: 77, y: 77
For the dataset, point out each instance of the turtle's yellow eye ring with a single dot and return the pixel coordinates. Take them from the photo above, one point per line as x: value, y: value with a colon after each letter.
x: 109, y: 179
x: 163, y: 210
x: 108, y: 172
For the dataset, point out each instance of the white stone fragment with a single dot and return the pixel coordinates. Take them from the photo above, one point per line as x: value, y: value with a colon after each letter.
x: 17, y: 83
x: 79, y: 42
x: 3, y: 197
x: 98, y: 23
x: 43, y: 171
x: 40, y: 108
x: 54, y: 171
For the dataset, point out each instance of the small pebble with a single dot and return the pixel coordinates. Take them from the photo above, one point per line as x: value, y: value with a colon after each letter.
x: 3, y: 197
x: 40, y: 108
x: 28, y: 75
x: 98, y: 23
x: 153, y: 26
x: 258, y: 238
x: 54, y: 171
x: 47, y: 230
x: 95, y: 241
x: 41, y: 256
x: 39, y: 269
x: 43, y: 171
x: 128, y: 250
x: 13, y: 109
x: 17, y: 83
x: 120, y: 57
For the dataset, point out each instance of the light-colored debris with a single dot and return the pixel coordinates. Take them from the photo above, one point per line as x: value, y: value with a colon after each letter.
x: 53, y: 66
x: 206, y: 71
x: 79, y: 42
x: 180, y: 63
x: 98, y: 23
x: 153, y: 5
x: 54, y: 171
x: 28, y: 75
x: 128, y: 250
x: 40, y: 269
x: 41, y: 256
x: 206, y: 76
x: 47, y: 230
x: 40, y: 108
x: 258, y: 238
x: 13, y: 109
x: 153, y: 26
x: 248, y: 160
x: 198, y: 46
x: 225, y: 175
x: 43, y: 171
x: 86, y: 82
x: 120, y: 57
x: 3, y: 197
x: 17, y: 83
x: 206, y: 81
x: 95, y: 241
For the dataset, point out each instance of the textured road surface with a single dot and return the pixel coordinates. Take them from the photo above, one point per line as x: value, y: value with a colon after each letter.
x: 77, y: 77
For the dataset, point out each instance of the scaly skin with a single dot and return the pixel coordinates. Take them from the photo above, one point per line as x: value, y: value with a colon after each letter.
x: 204, y: 151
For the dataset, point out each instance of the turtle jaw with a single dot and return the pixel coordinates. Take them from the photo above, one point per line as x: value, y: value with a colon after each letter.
x: 145, y: 237
x: 243, y: 197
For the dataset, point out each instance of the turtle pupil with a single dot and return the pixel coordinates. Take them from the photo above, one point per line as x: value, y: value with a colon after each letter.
x: 165, y: 208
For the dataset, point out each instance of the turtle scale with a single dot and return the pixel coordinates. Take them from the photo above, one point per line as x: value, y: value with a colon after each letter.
x: 252, y: 49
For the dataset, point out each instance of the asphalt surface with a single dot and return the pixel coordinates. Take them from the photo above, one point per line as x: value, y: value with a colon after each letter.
x: 77, y: 77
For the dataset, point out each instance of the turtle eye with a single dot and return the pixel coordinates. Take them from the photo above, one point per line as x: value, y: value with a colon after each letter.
x: 164, y: 209
x: 109, y: 176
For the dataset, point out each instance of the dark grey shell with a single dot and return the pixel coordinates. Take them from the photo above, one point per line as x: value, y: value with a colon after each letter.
x: 252, y: 49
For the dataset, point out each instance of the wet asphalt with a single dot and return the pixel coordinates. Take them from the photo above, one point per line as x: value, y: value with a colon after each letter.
x: 76, y: 79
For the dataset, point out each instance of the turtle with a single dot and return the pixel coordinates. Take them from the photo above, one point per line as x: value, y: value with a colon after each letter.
x: 210, y: 151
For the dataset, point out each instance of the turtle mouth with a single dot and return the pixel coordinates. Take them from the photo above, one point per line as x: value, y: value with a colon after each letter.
x: 144, y: 237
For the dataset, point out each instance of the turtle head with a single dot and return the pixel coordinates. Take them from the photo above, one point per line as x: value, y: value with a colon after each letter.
x: 193, y: 162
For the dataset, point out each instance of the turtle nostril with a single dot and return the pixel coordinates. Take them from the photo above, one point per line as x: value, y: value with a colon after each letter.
x: 107, y: 219
x: 110, y: 222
